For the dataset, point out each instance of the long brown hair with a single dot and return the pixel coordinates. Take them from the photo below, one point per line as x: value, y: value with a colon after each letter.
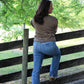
x: 42, y: 11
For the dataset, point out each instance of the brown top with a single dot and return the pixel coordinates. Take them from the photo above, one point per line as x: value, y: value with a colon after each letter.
x: 46, y: 31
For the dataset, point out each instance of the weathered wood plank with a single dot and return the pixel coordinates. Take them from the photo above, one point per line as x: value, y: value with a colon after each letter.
x: 79, y: 81
x: 59, y: 37
x: 66, y: 79
x: 45, y: 69
x: 14, y: 45
x: 65, y: 64
x: 72, y: 49
x: 70, y: 35
x: 18, y: 60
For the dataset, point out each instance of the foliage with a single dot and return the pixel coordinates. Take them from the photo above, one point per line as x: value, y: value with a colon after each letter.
x: 16, y: 12
x: 13, y: 12
x: 68, y: 13
x: 14, y: 34
x: 21, y: 11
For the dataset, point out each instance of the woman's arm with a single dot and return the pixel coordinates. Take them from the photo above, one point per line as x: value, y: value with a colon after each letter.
x: 56, y: 26
x: 32, y: 23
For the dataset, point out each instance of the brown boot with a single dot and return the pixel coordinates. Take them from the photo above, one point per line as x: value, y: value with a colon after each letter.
x: 52, y: 79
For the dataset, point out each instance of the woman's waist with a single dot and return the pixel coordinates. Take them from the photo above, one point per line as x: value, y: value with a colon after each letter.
x: 44, y: 35
x: 45, y: 39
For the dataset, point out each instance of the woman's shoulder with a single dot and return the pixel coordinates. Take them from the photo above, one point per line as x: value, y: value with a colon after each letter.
x: 52, y: 18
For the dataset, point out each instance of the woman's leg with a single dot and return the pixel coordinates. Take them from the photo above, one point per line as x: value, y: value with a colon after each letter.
x: 55, y: 64
x: 50, y: 48
x: 38, y: 57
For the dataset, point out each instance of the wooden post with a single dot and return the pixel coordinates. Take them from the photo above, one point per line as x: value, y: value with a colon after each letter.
x: 25, y: 56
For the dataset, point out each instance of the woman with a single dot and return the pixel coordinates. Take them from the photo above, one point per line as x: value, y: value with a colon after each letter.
x: 44, y: 41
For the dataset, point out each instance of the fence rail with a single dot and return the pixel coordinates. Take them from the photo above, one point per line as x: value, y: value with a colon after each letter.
x: 18, y: 60
x: 59, y: 37
x: 67, y: 79
x: 45, y: 69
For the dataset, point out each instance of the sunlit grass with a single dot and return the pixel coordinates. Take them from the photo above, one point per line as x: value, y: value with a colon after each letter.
x: 14, y: 68
x: 70, y: 42
x: 17, y: 52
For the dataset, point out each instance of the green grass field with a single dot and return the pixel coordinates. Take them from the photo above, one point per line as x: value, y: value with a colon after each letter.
x: 61, y: 44
x: 45, y: 62
x: 18, y: 52
x: 71, y: 70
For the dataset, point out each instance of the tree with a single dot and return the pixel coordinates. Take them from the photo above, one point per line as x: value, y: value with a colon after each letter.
x: 21, y: 11
x: 16, y: 12
x: 13, y: 12
x: 68, y: 13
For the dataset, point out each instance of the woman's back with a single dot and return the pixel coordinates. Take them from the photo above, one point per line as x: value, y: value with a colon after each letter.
x: 45, y: 32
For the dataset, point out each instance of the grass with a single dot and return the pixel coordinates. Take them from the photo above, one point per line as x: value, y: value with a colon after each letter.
x: 14, y: 68
x: 61, y: 44
x: 9, y: 54
x: 46, y: 61
x: 17, y: 52
x: 70, y: 42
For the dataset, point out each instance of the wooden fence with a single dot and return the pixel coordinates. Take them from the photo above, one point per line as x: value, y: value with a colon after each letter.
x: 45, y: 69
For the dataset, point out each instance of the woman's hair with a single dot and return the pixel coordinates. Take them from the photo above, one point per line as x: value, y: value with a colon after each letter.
x: 42, y: 11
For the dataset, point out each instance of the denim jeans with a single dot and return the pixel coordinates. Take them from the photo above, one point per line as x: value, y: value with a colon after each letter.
x: 39, y: 51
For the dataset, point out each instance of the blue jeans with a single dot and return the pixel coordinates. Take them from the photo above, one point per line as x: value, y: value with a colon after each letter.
x: 39, y: 51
